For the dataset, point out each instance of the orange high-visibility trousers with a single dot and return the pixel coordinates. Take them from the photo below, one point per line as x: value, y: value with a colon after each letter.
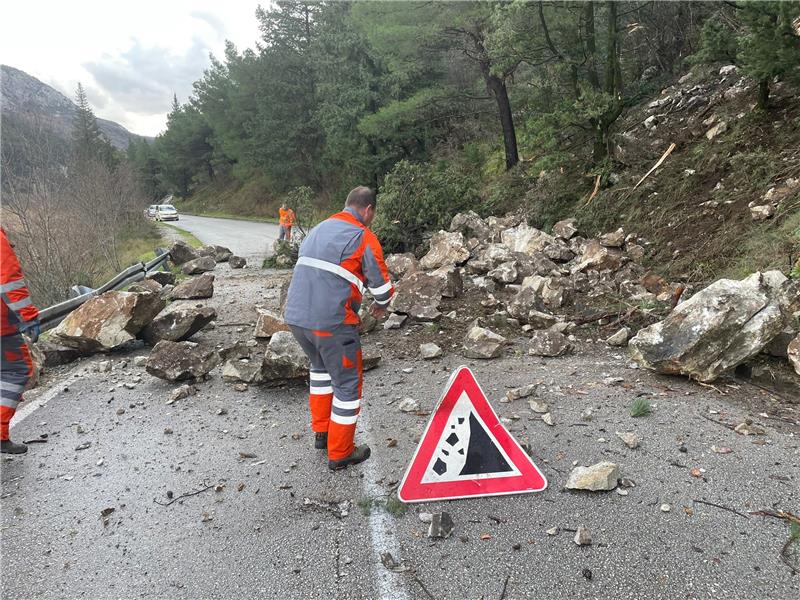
x: 335, y: 384
x: 16, y: 369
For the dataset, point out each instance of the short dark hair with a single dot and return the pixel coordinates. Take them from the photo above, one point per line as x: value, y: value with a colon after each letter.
x: 361, y: 197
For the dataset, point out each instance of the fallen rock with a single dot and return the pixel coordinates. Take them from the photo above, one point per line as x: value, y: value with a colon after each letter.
x: 565, y: 229
x: 418, y: 295
x: 145, y: 286
x: 194, y: 288
x: 747, y: 428
x: 239, y: 349
x: 441, y: 526
x: 177, y: 324
x: 429, y: 351
x: 453, y: 281
x: 268, y: 323
x: 400, y: 265
x: 470, y: 225
x: 762, y: 213
x: 583, y: 537
x: 221, y: 254
x: 370, y: 358
x: 505, y: 272
x: 528, y: 307
x: 408, y: 405
x: 181, y: 253
x: 630, y: 439
x: 716, y: 130
x: 107, y: 321
x: 521, y: 392
x: 620, y: 338
x: 539, y: 407
x: 139, y: 361
x: 199, y: 265
x: 598, y: 257
x: 716, y: 329
x: 53, y: 355
x: 175, y: 361
x: 598, y: 477
x: 394, y: 321
x: 615, y: 239
x: 548, y: 343
x: 237, y: 262
x: 793, y: 353
x: 182, y: 392
x: 162, y: 277
x: 446, y: 249
x: 483, y: 343
x: 526, y: 239
x: 284, y: 358
x: 243, y: 369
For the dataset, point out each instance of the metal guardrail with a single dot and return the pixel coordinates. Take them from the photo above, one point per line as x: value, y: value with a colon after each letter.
x: 53, y: 315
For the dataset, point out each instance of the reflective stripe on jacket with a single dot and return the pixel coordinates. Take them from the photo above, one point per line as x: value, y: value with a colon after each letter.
x: 16, y: 304
x: 286, y: 217
x: 321, y: 296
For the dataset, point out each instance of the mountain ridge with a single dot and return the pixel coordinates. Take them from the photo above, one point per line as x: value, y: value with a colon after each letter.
x: 24, y: 96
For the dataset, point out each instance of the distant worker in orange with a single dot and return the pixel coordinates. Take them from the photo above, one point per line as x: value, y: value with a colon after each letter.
x: 18, y: 315
x: 286, y: 222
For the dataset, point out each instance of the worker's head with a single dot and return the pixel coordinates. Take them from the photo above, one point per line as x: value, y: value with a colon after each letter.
x: 364, y: 201
x: 283, y: 205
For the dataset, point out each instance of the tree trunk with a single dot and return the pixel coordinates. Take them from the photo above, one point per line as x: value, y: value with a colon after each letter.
x: 591, y: 47
x: 498, y: 87
x: 763, y: 94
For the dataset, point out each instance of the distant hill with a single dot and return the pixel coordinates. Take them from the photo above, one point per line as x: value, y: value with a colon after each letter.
x: 25, y: 99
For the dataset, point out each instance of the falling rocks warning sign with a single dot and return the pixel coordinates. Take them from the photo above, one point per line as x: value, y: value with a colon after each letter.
x: 466, y: 451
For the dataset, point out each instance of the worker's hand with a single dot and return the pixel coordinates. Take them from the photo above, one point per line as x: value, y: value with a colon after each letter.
x: 32, y: 329
x: 378, y: 311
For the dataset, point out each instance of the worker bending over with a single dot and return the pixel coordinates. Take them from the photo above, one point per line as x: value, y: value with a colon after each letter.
x: 338, y: 260
x: 18, y: 315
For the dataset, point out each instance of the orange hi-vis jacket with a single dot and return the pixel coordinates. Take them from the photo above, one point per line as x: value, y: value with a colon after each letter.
x: 286, y: 217
x: 16, y: 301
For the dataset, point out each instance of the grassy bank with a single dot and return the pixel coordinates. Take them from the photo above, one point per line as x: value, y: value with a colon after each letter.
x: 187, y: 237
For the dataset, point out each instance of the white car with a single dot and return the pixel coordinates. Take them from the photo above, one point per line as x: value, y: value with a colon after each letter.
x: 166, y: 212
x: 151, y: 211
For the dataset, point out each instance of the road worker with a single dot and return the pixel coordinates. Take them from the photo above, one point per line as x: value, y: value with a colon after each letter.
x: 286, y: 221
x: 18, y: 316
x: 338, y: 260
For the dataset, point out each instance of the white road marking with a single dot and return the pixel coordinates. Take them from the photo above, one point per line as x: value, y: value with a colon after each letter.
x: 390, y: 585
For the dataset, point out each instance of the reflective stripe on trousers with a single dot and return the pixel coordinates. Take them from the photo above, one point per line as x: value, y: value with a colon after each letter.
x: 335, y: 381
x: 16, y: 369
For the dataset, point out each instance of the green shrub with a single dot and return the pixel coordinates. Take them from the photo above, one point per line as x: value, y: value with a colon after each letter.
x: 418, y: 198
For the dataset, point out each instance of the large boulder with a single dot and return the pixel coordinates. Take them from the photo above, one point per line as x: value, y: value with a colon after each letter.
x: 482, y: 343
x: 176, y: 361
x: 108, y: 321
x: 793, y: 353
x: 418, y: 295
x: 243, y: 369
x: 268, y: 323
x: 505, y: 273
x: 598, y: 257
x: 400, y: 265
x: 528, y: 307
x: 526, y: 239
x: 218, y: 253
x: 284, y: 358
x: 199, y: 265
x: 177, y: 324
x: 181, y: 252
x: 613, y: 239
x: 718, y: 328
x: 53, y: 355
x: 194, y: 288
x: 446, y: 249
x: 453, y: 281
x: 470, y: 225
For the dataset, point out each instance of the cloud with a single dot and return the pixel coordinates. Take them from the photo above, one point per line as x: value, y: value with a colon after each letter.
x: 212, y: 20
x: 142, y: 79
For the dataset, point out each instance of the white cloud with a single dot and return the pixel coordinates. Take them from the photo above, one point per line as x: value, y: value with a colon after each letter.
x: 130, y: 57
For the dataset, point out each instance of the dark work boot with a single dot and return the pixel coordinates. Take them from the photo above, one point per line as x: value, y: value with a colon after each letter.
x: 9, y: 447
x: 359, y: 454
x: 321, y: 440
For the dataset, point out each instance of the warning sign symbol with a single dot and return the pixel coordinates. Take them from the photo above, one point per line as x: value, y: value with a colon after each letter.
x: 466, y: 451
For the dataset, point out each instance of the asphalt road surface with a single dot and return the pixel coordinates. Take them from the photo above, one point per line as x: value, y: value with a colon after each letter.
x: 221, y: 494
x: 249, y: 239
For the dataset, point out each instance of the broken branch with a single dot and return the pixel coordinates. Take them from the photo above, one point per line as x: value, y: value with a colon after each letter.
x: 185, y: 495
x: 658, y: 164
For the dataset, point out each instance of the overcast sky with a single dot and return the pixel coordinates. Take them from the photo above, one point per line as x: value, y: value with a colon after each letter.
x: 130, y: 56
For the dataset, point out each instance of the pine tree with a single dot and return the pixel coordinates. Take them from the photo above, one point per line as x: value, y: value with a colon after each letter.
x: 771, y: 47
x: 88, y: 142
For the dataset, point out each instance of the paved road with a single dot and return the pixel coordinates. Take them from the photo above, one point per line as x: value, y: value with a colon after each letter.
x: 249, y: 239
x: 255, y: 537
